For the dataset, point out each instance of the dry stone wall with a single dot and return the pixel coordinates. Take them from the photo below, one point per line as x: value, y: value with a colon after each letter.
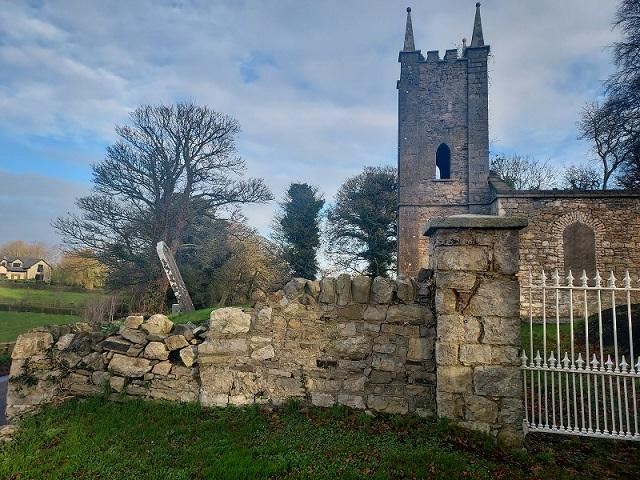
x: 479, y: 382
x: 358, y: 342
x: 447, y: 344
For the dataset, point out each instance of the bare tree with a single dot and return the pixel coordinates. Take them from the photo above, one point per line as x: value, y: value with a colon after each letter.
x: 524, y: 172
x: 581, y: 177
x: 167, y: 161
x: 606, y: 128
x: 20, y: 248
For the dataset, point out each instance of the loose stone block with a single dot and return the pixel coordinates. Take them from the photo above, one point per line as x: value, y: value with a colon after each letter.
x: 158, y: 324
x: 230, y: 320
x: 343, y: 289
x: 156, y: 351
x: 134, y: 336
x: 64, y: 341
x: 405, y: 289
x: 100, y: 378
x: 162, y: 368
x: 382, y: 290
x: 327, y: 290
x: 188, y: 355
x: 133, y: 321
x: 446, y: 301
x: 129, y: 367
x: 175, y: 342
x: 360, y: 286
x: 115, y: 344
x: 183, y: 330
x: 355, y: 384
x: 294, y: 288
x: 30, y: 344
x: 117, y: 384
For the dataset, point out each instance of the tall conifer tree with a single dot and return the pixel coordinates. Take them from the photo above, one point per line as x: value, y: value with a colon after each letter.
x: 297, y: 229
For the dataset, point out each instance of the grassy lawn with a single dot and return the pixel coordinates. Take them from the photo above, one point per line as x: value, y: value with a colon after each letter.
x: 142, y: 440
x: 13, y: 324
x: 538, y: 337
x: 46, y: 297
x: 197, y: 316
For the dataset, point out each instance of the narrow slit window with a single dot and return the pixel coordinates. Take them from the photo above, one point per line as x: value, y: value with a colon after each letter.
x: 443, y: 162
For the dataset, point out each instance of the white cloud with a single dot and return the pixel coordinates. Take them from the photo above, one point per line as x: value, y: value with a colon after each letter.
x: 30, y: 202
x: 323, y: 104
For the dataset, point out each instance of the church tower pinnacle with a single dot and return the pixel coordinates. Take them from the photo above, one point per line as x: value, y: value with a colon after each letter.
x: 409, y: 45
x: 477, y: 40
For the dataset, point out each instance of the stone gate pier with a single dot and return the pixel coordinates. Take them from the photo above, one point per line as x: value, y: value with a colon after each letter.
x: 477, y: 310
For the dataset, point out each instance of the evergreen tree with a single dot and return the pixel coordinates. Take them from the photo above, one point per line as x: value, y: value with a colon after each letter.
x: 297, y: 229
x: 361, y: 230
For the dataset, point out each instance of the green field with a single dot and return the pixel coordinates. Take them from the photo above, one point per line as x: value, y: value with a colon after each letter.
x: 46, y: 297
x: 13, y: 324
x: 538, y: 331
x: 145, y: 440
x: 197, y: 316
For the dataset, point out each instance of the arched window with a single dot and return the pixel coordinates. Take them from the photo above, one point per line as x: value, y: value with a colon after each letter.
x: 579, y: 243
x: 443, y: 162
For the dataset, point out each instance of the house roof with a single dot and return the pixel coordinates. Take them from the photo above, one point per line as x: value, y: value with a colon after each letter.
x: 27, y: 262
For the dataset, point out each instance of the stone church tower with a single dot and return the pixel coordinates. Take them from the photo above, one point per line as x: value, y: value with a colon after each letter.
x: 443, y: 139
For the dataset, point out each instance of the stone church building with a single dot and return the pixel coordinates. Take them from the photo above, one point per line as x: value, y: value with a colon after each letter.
x: 443, y: 168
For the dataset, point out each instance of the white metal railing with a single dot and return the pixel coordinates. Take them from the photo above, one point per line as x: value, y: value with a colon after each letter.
x: 588, y: 388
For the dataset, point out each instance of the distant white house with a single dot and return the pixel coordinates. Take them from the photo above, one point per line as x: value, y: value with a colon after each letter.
x: 25, y: 268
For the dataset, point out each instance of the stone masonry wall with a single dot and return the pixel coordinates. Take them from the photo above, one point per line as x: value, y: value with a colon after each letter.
x: 613, y: 216
x: 479, y: 381
x: 359, y: 342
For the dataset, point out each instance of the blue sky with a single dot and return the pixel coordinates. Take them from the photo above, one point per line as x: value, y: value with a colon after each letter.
x: 312, y: 84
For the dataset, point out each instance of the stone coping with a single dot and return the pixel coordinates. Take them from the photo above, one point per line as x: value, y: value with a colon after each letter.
x: 474, y: 221
x: 587, y: 194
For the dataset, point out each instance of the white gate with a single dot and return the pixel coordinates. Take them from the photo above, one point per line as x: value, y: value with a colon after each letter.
x: 580, y: 377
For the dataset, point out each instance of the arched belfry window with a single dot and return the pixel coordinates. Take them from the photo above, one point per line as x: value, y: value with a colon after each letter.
x: 443, y: 162
x: 579, y: 242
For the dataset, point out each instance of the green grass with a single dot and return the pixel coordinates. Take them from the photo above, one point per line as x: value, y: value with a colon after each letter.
x: 141, y: 440
x: 565, y: 336
x: 197, y: 316
x: 13, y: 324
x: 46, y: 297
